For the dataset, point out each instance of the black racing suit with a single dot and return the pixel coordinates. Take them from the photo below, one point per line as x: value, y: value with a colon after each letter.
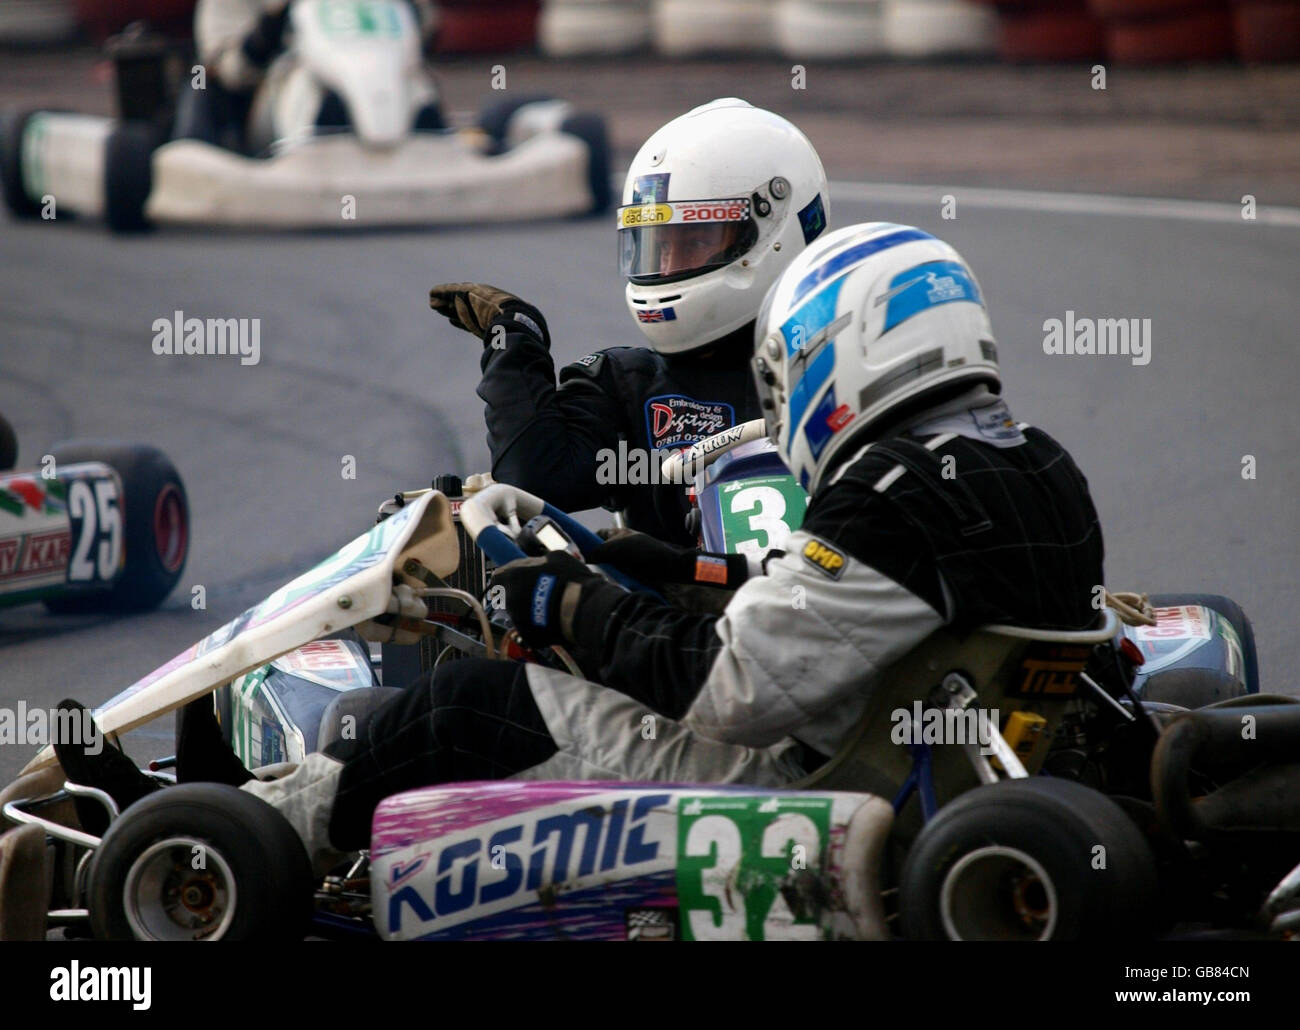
x: 554, y: 442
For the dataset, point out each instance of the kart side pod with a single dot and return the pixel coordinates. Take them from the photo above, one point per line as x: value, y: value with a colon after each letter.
x: 612, y: 861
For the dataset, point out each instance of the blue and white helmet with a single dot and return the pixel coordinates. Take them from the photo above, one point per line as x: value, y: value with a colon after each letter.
x: 862, y: 328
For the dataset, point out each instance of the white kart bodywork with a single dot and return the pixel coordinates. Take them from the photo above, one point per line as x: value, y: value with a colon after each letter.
x: 433, y: 179
x: 353, y: 585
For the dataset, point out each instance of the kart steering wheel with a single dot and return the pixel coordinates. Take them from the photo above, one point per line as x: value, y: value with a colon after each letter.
x: 703, y: 454
x: 492, y: 518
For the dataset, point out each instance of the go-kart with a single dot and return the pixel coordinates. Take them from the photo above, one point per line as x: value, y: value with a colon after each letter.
x: 100, y: 526
x: 354, y: 137
x: 1094, y: 812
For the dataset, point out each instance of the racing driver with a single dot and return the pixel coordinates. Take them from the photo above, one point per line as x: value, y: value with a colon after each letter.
x: 237, y: 41
x: 717, y: 203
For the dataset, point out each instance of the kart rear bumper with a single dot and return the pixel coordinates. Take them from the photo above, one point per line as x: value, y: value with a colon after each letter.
x: 334, y: 182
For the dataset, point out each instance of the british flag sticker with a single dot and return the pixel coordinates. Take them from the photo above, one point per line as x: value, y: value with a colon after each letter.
x: 657, y: 315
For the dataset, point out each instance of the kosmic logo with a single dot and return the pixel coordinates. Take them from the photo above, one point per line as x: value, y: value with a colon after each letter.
x: 38, y: 727
x: 921, y: 725
x: 1074, y: 335
x: 102, y: 983
x: 207, y: 337
x: 502, y: 865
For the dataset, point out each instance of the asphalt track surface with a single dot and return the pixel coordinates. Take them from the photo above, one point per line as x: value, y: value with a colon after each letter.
x: 354, y: 363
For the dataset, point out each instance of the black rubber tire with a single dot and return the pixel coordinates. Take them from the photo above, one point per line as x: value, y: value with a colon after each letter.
x: 20, y: 205
x: 270, y: 868
x: 8, y: 445
x: 1231, y: 611
x: 591, y: 129
x: 1191, y: 688
x: 1057, y: 823
x: 494, y: 118
x: 148, y: 480
x: 128, y: 176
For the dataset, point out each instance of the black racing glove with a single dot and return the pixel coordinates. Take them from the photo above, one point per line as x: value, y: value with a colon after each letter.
x: 654, y: 563
x: 543, y: 595
x: 480, y: 309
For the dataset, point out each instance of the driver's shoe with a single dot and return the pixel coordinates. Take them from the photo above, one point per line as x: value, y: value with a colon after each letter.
x: 94, y: 762
x: 202, y: 753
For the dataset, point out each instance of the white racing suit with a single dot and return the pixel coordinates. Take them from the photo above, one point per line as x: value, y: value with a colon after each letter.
x: 891, y: 549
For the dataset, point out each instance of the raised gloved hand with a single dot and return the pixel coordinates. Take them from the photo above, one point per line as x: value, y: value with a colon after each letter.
x: 654, y: 562
x: 478, y: 308
x: 543, y: 595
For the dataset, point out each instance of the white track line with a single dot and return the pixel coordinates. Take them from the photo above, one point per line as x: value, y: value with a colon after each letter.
x: 1065, y: 203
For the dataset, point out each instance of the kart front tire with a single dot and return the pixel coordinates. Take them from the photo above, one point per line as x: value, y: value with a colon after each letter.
x: 200, y: 861
x: 8, y: 445
x: 590, y: 128
x: 20, y: 205
x: 1029, y: 859
x: 128, y: 176
x: 156, y: 526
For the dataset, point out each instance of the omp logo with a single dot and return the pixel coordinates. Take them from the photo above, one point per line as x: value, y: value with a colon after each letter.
x: 497, y: 866
x: 824, y: 558
x: 102, y: 983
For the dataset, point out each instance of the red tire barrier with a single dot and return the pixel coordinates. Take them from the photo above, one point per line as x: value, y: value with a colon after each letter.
x: 1268, y: 31
x: 101, y: 18
x: 1200, y: 36
x: 485, y: 26
x: 1063, y: 36
x: 1128, y: 10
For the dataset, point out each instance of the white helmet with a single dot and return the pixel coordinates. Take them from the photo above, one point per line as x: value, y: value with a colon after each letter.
x: 865, y: 327
x: 716, y: 204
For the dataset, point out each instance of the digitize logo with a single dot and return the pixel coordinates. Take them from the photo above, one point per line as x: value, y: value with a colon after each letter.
x: 675, y: 421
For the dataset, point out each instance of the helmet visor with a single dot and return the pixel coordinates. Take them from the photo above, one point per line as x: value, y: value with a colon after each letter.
x: 662, y: 243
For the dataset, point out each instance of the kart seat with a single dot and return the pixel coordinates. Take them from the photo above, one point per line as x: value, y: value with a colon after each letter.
x: 1011, y: 668
x: 344, y: 715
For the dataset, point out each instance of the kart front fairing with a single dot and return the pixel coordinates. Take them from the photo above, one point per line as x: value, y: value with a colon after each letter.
x: 352, y: 586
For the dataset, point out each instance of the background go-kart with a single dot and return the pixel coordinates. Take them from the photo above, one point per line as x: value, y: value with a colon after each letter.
x: 353, y: 363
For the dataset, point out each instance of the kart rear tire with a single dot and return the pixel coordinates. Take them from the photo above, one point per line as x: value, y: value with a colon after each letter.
x: 156, y: 526
x: 128, y: 176
x: 20, y: 205
x: 968, y: 852
x: 8, y: 445
x: 590, y: 128
x: 494, y: 118
x: 249, y: 851
x: 1232, y: 611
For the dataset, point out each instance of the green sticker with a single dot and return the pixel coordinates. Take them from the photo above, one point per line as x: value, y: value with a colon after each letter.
x: 747, y: 867
x: 759, y: 514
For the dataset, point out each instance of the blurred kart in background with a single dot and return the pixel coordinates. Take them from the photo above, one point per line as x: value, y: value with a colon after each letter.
x: 385, y: 157
x: 103, y: 527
